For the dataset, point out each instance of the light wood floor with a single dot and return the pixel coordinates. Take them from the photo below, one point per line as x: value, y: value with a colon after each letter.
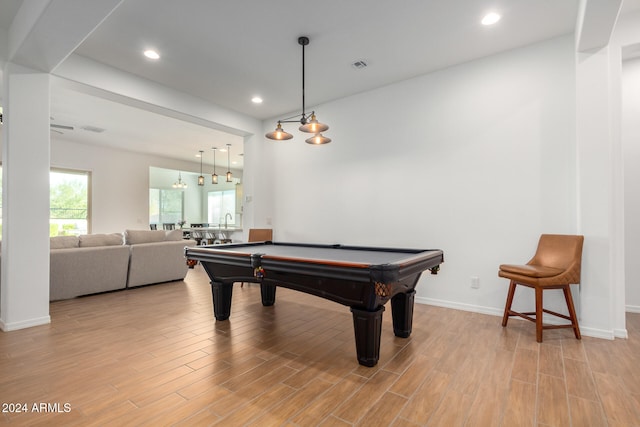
x: 156, y: 356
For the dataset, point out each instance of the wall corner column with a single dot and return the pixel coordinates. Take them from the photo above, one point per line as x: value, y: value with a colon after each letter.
x: 24, y: 281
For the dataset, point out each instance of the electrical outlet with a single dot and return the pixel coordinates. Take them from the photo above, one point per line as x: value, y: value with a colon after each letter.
x: 475, y: 282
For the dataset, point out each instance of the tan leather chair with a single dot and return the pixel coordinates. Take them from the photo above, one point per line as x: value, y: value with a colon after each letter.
x: 259, y: 235
x: 556, y: 265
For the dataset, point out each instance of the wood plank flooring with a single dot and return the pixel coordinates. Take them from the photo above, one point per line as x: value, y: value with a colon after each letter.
x: 156, y: 356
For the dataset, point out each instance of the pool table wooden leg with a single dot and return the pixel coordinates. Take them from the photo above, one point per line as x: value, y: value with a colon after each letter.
x: 221, y: 293
x: 402, y: 313
x: 268, y: 294
x: 367, y: 326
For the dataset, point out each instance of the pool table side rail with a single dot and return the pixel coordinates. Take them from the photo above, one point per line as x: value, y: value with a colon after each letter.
x: 416, y: 262
x: 229, y: 257
x: 404, y: 263
x: 226, y: 252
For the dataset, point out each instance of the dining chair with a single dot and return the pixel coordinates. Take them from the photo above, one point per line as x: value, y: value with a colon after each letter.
x: 168, y: 226
x: 153, y: 226
x: 555, y: 265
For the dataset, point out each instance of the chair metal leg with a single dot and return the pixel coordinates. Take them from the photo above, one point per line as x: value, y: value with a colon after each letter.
x: 507, y: 307
x: 538, y: 314
x: 572, y: 311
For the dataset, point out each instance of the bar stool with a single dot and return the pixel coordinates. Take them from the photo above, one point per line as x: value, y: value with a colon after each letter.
x: 196, y: 235
x: 555, y: 265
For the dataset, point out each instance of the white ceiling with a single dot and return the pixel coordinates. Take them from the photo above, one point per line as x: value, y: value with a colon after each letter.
x: 228, y: 51
x: 134, y: 129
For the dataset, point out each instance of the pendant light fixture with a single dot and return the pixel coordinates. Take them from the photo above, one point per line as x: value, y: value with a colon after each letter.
x: 201, y: 178
x: 318, y: 139
x: 214, y: 177
x: 228, y: 162
x: 308, y: 122
x: 179, y: 183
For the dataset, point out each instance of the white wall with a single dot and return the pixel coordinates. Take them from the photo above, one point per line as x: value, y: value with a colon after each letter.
x: 631, y: 151
x: 165, y: 178
x: 626, y: 34
x: 120, y: 182
x: 477, y: 160
x: 195, y: 196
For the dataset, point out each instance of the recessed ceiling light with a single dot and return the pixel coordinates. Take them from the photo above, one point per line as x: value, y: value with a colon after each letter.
x: 490, y: 18
x: 151, y: 54
x: 256, y: 100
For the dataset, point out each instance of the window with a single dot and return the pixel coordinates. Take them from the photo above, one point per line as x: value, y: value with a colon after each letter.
x: 69, y: 207
x: 221, y: 203
x: 165, y: 206
x: 69, y: 202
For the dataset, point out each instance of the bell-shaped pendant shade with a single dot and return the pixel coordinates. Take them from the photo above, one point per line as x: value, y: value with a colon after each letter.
x: 318, y: 139
x: 313, y: 126
x: 279, y: 134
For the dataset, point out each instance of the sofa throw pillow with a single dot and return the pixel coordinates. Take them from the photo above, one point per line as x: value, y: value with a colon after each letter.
x: 134, y: 237
x: 63, y: 242
x: 173, y: 235
x: 92, y: 240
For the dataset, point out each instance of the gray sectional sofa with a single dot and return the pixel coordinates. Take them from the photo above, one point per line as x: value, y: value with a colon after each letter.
x: 82, y: 265
x: 92, y: 263
x: 156, y: 256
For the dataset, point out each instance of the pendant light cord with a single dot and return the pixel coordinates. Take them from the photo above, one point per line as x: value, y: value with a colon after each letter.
x: 303, y: 120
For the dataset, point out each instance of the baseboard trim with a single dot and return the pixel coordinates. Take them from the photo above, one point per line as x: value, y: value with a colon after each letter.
x: 460, y: 306
x: 621, y: 333
x: 23, y: 324
x: 632, y: 308
x: 586, y: 331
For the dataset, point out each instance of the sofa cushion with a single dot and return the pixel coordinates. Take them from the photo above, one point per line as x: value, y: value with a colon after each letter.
x: 157, y: 262
x: 64, y: 242
x: 173, y: 235
x: 92, y: 240
x: 82, y: 271
x: 134, y: 237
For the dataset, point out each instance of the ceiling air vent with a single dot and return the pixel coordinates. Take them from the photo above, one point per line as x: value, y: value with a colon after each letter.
x: 359, y: 65
x: 92, y: 129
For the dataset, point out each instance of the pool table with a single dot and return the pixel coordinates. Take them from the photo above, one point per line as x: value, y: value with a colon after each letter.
x: 363, y: 278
